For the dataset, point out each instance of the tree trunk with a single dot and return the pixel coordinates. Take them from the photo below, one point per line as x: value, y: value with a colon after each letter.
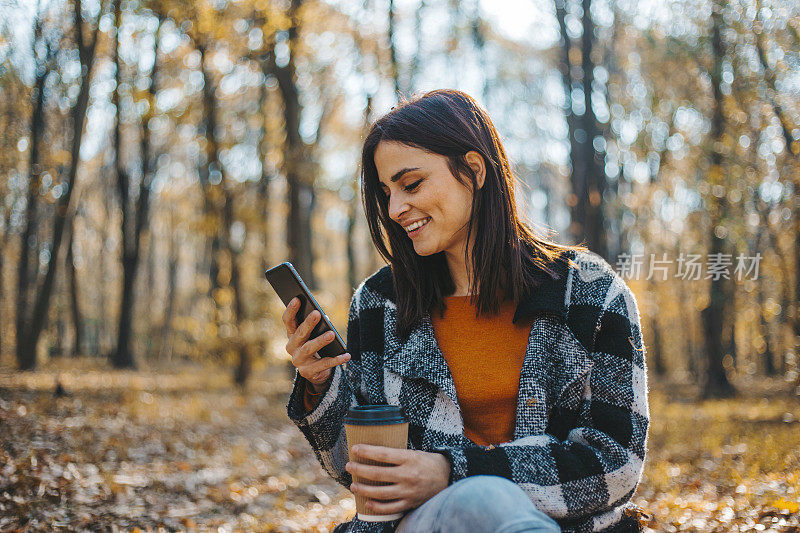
x: 58, y: 329
x: 297, y: 168
x: 3, y: 251
x: 587, y: 169
x: 757, y: 245
x: 263, y: 185
x: 10, y: 115
x: 210, y: 178
x: 656, y: 354
x: 224, y: 252
x: 416, y: 60
x: 104, y: 341
x: 29, y: 339
x: 122, y: 357
x: 767, y: 355
x: 134, y: 217
x: 772, y: 242
x: 26, y: 357
x: 352, y: 266
x: 788, y: 306
x: 395, y: 68
x: 233, y: 250
x: 731, y: 347
x: 165, y: 350
x: 593, y: 161
x: 796, y: 318
x: 244, y: 367
x: 72, y: 280
x: 148, y: 261
x: 301, y: 198
x: 792, y: 147
x: 142, y: 213
x: 210, y: 174
x: 690, y: 342
x: 716, y: 380
x: 352, y: 211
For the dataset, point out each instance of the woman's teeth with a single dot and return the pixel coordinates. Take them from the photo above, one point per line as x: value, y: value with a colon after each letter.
x: 417, y: 224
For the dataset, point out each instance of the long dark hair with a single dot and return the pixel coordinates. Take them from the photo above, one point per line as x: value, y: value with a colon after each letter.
x: 451, y: 123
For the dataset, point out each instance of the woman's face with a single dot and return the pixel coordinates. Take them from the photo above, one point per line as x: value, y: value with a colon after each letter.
x: 421, y: 188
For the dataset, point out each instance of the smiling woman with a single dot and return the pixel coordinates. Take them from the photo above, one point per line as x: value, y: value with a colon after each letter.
x: 518, y: 362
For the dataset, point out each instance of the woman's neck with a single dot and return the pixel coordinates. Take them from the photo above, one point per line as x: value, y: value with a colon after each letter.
x: 460, y: 266
x: 459, y: 274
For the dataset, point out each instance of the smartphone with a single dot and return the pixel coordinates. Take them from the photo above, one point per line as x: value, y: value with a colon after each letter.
x: 288, y: 284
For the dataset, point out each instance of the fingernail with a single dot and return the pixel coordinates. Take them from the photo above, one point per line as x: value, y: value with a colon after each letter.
x: 329, y: 335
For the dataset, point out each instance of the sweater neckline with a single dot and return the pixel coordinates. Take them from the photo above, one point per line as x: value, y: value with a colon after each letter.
x: 468, y: 296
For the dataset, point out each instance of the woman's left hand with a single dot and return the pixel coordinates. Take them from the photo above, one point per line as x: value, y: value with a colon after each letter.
x: 415, y: 478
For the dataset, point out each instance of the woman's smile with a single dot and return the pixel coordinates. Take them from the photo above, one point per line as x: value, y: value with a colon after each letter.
x: 414, y: 229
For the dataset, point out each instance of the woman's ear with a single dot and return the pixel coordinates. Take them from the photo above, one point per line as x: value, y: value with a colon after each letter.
x: 478, y: 166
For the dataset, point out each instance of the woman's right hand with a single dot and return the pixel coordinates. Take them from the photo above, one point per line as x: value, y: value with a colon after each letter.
x: 305, y: 358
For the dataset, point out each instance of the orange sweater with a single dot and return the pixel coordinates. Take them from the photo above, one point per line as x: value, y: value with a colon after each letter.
x: 485, y: 357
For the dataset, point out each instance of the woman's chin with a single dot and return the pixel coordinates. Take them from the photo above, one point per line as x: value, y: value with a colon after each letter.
x: 423, y: 250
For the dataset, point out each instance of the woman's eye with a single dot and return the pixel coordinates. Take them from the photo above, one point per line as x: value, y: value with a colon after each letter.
x: 412, y: 186
x: 407, y: 188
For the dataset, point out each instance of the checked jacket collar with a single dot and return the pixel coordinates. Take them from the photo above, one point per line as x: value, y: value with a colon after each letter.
x: 420, y: 357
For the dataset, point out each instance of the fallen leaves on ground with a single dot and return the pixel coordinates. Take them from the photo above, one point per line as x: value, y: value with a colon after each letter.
x: 724, y: 465
x: 177, y: 449
x: 182, y: 449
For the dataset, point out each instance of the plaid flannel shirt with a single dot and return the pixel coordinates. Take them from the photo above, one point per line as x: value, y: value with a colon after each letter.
x: 582, y: 411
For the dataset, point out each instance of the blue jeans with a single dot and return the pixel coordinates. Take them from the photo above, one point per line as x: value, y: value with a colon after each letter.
x: 478, y: 504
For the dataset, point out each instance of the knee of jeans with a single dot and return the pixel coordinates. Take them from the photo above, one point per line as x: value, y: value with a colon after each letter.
x: 497, y: 492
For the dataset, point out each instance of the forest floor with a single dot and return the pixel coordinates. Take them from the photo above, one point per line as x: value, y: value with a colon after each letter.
x: 180, y: 448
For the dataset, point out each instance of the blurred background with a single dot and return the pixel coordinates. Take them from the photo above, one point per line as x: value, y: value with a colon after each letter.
x: 156, y: 157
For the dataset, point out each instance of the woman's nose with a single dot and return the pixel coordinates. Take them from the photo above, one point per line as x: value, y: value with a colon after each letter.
x: 397, y: 206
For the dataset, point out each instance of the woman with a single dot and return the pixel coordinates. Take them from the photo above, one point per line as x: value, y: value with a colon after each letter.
x: 518, y: 362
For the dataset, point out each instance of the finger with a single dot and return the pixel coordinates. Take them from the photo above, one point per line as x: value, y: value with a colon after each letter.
x: 300, y: 335
x: 386, y: 474
x: 315, y: 345
x: 380, y: 507
x: 307, y: 353
x: 383, y: 454
x: 377, y: 492
x: 289, y: 314
x: 304, y: 330
x: 329, y: 362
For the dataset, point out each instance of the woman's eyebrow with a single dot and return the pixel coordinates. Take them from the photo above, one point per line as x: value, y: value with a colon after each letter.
x: 399, y: 174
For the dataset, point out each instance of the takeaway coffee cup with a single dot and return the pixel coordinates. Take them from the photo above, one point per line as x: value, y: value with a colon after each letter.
x: 378, y: 425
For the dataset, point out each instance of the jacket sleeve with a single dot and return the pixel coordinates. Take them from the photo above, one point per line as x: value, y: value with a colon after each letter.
x: 323, y: 426
x: 593, y: 463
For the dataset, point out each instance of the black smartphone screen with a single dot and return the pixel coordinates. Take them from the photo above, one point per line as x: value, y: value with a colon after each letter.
x: 288, y: 284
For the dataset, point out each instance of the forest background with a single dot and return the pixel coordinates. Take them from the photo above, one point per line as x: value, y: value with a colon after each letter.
x: 157, y: 156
